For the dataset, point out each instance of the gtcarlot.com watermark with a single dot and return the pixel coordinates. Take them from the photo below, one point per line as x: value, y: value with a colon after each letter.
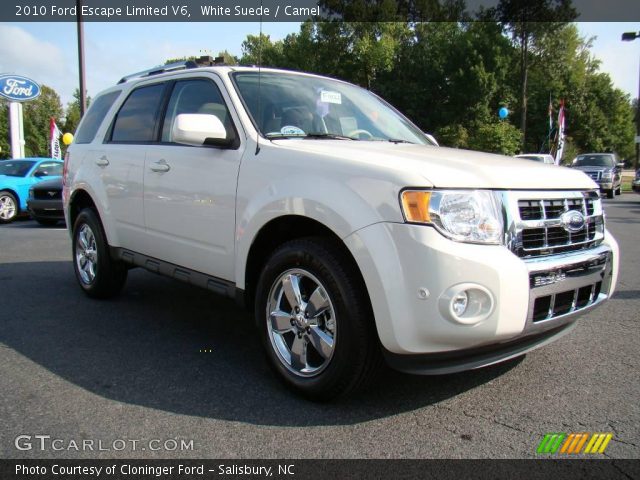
x: 47, y: 443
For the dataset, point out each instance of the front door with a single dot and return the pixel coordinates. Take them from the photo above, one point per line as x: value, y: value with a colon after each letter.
x: 189, y: 192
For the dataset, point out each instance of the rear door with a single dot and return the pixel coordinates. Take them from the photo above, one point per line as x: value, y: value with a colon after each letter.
x: 189, y: 192
x: 121, y: 161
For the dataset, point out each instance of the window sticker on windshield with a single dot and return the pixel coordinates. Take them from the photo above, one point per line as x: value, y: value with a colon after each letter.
x: 291, y: 130
x: 330, y: 97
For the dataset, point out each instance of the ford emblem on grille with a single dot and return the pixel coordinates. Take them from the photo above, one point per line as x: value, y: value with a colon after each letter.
x: 572, y: 221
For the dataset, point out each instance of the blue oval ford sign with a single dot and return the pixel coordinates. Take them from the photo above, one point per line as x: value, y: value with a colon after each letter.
x: 18, y: 88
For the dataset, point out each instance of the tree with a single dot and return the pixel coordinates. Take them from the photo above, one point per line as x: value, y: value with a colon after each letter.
x: 5, y: 151
x: 36, y: 118
x: 528, y: 22
x: 260, y: 50
x: 72, y: 113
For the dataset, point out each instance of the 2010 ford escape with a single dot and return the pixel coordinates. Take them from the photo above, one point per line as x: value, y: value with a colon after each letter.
x: 348, y: 232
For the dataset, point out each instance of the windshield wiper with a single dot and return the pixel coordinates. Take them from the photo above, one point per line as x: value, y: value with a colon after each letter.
x: 399, y: 140
x: 313, y: 136
x: 329, y: 136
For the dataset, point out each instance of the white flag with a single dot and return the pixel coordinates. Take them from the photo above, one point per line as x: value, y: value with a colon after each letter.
x: 54, y: 139
x: 560, y: 146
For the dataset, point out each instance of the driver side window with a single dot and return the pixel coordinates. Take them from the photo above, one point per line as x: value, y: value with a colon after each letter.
x: 48, y: 169
x: 196, y: 96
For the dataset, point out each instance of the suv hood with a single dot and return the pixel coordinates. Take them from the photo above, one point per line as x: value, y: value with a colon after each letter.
x: 446, y: 167
x: 594, y: 168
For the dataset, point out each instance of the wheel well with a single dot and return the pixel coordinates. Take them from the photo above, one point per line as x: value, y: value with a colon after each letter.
x: 15, y: 195
x: 80, y: 201
x: 274, y: 234
x: 12, y: 192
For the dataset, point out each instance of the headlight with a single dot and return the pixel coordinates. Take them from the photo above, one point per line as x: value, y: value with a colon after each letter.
x: 607, y: 176
x: 472, y: 216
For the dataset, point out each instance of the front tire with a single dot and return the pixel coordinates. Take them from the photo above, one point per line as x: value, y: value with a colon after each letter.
x: 315, y: 320
x: 97, y: 273
x: 9, y: 207
x: 610, y: 193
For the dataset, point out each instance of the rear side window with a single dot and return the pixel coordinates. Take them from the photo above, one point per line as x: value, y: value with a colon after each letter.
x: 136, y: 120
x: 94, y: 116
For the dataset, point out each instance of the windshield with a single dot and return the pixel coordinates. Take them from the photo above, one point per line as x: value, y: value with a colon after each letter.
x: 594, y: 161
x: 15, y: 168
x: 292, y: 105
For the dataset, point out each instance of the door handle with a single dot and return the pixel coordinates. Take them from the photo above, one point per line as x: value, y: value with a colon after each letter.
x: 160, y: 166
x: 103, y: 161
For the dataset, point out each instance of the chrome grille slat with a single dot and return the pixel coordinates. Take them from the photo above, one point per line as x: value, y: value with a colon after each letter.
x: 535, y: 222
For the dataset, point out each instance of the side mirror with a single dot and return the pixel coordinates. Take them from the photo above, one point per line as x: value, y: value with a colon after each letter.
x: 39, y: 174
x: 431, y: 138
x: 197, y: 129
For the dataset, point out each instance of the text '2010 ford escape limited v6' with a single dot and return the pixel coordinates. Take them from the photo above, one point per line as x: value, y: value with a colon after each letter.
x: 348, y: 232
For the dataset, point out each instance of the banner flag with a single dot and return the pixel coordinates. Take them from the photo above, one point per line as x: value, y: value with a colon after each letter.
x: 560, y: 144
x: 54, y: 140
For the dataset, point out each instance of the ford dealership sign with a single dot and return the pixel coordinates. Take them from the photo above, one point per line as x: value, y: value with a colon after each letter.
x: 17, y: 88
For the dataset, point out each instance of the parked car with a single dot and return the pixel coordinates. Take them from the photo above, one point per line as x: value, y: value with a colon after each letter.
x: 45, y: 202
x: 538, y: 157
x: 603, y: 168
x: 331, y: 216
x: 635, y: 183
x: 16, y: 177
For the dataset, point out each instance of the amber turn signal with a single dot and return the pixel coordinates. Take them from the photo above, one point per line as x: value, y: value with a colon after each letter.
x: 415, y: 204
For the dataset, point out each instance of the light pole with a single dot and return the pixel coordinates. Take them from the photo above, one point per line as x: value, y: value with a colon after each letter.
x: 83, y: 90
x: 629, y: 37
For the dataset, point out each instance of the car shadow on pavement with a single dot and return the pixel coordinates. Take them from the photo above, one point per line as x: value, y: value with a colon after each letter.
x: 176, y: 348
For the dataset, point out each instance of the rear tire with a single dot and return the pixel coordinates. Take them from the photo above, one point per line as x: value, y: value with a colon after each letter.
x: 9, y: 207
x: 315, y: 320
x: 619, y: 190
x: 97, y: 273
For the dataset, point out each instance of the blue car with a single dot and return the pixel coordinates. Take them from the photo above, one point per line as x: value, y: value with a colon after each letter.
x: 17, y: 176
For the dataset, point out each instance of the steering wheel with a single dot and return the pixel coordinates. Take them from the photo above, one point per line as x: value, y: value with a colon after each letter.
x: 361, y: 131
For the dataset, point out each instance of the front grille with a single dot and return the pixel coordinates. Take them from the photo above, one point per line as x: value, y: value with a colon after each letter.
x: 595, y: 175
x: 47, y: 194
x: 551, y: 306
x: 539, y: 228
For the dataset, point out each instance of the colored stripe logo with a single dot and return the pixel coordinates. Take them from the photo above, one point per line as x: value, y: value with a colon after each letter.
x: 574, y: 443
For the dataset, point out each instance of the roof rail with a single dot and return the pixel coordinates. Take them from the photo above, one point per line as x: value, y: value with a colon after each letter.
x: 170, y: 67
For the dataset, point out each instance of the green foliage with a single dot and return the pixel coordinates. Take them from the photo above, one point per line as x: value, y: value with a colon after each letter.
x: 72, y: 115
x: 452, y: 77
x: 5, y: 151
x: 497, y: 137
x: 37, y: 116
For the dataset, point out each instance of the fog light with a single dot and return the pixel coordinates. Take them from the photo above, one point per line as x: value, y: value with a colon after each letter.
x: 459, y: 303
x: 466, y: 304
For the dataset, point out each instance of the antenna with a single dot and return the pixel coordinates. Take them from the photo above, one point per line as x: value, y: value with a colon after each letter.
x: 259, y: 77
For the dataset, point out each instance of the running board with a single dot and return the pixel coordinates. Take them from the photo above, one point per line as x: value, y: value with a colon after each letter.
x: 166, y: 269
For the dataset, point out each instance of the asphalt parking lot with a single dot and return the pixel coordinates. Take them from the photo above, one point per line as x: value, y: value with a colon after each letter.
x: 167, y: 365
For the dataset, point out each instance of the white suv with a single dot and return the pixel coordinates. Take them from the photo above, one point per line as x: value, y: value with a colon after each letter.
x: 351, y: 236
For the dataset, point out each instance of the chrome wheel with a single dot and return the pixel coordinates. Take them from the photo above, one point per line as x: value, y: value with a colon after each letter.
x: 7, y: 207
x: 301, y: 323
x: 86, y: 254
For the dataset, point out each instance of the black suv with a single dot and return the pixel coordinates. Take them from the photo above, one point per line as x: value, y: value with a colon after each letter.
x: 604, y: 168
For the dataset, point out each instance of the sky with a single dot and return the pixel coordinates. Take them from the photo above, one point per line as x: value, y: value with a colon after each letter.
x: 47, y: 52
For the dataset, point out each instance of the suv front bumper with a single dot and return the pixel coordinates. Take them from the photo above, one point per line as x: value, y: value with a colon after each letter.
x: 410, y: 271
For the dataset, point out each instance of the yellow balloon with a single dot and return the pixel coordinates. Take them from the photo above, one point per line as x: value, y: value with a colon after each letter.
x: 67, y: 138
